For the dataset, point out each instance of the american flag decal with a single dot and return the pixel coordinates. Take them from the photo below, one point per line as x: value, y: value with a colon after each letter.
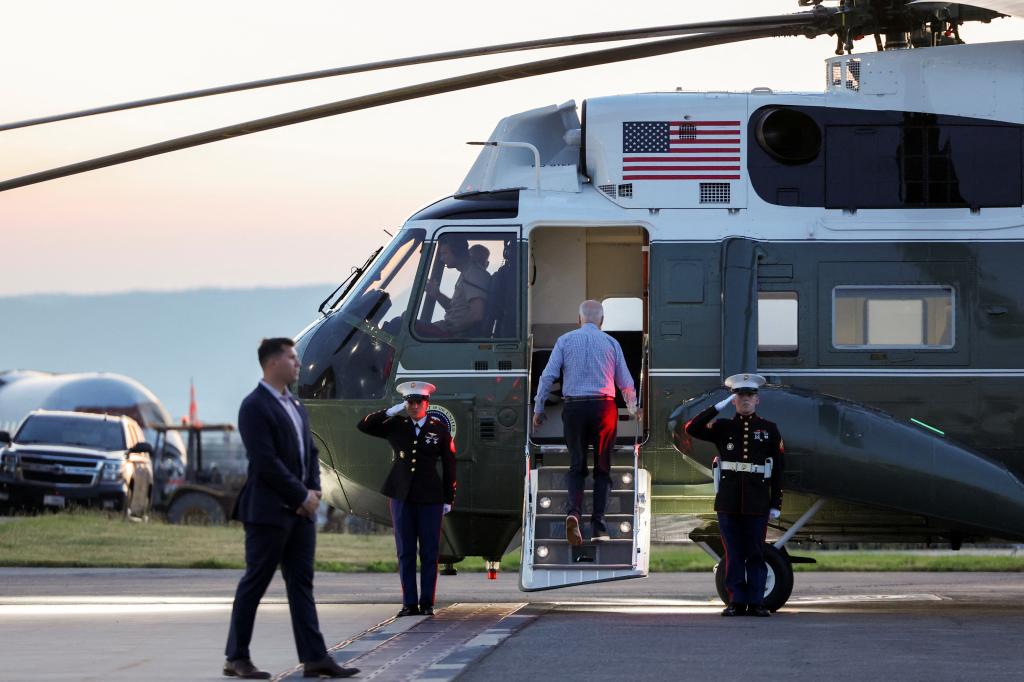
x: 681, y: 150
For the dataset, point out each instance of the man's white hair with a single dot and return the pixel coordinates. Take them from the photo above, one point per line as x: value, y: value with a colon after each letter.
x: 592, y: 311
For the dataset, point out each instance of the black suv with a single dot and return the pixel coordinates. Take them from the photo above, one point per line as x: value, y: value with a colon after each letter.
x: 61, y: 458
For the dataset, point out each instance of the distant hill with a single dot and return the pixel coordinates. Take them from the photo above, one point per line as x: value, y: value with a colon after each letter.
x: 160, y: 338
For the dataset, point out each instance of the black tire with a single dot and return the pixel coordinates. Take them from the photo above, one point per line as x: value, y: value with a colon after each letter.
x: 196, y: 509
x: 779, y: 585
x: 781, y: 569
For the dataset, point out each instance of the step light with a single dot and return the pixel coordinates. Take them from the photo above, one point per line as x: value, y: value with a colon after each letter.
x: 542, y: 552
x: 625, y: 526
x: 627, y: 478
x: 545, y: 502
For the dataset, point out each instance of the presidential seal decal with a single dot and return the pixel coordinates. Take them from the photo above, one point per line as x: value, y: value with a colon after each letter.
x: 445, y: 416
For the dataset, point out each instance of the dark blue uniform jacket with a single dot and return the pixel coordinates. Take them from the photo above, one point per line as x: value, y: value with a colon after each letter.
x: 413, y: 477
x: 743, y: 439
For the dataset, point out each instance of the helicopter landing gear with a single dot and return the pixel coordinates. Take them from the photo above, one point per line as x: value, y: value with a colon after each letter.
x: 449, y: 568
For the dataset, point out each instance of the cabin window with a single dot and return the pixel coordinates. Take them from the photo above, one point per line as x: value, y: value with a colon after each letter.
x: 472, y: 288
x: 777, y: 321
x: 892, y: 316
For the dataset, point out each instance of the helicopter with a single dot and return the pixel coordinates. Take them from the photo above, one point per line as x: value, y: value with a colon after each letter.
x: 857, y: 246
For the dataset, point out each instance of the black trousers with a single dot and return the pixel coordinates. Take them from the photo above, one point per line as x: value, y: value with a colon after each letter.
x: 417, y: 524
x: 745, y: 570
x: 266, y: 548
x: 586, y: 424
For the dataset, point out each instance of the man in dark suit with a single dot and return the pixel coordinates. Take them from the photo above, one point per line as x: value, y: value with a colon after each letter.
x: 419, y: 497
x: 278, y: 506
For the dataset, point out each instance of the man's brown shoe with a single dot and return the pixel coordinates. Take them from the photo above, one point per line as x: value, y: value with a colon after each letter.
x: 327, y: 667
x: 572, y: 531
x: 244, y: 668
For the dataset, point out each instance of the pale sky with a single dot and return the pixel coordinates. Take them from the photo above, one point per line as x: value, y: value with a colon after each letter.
x: 300, y: 204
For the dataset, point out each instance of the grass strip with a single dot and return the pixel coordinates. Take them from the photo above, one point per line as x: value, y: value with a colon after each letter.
x: 97, y: 540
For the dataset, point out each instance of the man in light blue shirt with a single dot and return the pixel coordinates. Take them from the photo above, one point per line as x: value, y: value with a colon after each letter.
x: 592, y: 365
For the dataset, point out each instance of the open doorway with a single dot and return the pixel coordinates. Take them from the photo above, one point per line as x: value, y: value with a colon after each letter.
x: 567, y: 266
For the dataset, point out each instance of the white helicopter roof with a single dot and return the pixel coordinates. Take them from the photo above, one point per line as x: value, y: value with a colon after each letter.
x: 628, y: 136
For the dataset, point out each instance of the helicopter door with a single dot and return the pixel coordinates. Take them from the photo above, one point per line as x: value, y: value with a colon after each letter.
x: 569, y: 265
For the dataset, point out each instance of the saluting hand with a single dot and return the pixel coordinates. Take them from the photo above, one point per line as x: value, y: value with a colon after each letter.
x: 721, y: 405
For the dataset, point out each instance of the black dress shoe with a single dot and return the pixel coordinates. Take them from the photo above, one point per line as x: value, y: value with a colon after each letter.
x: 759, y: 611
x: 327, y: 667
x: 409, y: 611
x: 426, y: 610
x: 734, y: 610
x: 244, y: 668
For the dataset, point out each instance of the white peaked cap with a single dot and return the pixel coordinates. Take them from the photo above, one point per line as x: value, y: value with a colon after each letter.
x: 412, y: 389
x: 749, y: 382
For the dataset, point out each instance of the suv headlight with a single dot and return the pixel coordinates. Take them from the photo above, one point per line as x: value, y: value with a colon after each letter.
x: 8, y: 463
x: 111, y: 471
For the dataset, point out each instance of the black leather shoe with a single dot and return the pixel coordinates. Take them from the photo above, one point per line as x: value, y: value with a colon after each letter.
x: 244, y: 668
x: 759, y: 611
x: 327, y: 667
x: 409, y: 611
x: 734, y: 610
x: 426, y: 610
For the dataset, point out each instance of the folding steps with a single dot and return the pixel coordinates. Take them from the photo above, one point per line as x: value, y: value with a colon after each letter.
x: 549, y: 561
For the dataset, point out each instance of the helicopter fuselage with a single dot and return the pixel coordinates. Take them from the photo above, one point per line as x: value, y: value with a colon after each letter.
x: 860, y: 247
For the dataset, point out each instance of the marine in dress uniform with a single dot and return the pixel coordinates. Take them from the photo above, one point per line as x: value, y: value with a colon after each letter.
x: 419, y: 497
x: 748, y: 472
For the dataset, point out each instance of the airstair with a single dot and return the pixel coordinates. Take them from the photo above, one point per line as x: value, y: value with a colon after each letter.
x: 548, y: 560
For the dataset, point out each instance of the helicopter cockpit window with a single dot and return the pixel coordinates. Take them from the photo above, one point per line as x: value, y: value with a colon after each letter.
x: 351, y: 353
x: 472, y: 288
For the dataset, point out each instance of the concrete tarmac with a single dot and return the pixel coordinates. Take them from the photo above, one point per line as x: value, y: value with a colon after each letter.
x: 111, y: 624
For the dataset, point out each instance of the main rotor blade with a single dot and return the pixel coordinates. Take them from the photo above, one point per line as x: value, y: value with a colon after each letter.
x: 561, y: 41
x: 1007, y: 7
x: 466, y: 81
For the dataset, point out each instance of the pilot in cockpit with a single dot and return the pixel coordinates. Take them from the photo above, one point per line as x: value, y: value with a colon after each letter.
x: 466, y: 307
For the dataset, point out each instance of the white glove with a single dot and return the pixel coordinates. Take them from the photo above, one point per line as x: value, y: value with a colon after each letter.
x: 774, y: 513
x: 447, y: 508
x: 631, y: 408
x: 395, y: 409
x: 721, y: 405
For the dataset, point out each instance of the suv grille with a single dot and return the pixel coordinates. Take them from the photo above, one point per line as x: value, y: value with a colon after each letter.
x: 51, y: 477
x: 59, y: 469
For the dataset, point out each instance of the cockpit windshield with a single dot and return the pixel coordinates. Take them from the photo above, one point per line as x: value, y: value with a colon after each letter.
x: 382, y: 294
x: 350, y: 353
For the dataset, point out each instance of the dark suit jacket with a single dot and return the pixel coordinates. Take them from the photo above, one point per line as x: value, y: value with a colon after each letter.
x: 276, y: 485
x: 413, y: 477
